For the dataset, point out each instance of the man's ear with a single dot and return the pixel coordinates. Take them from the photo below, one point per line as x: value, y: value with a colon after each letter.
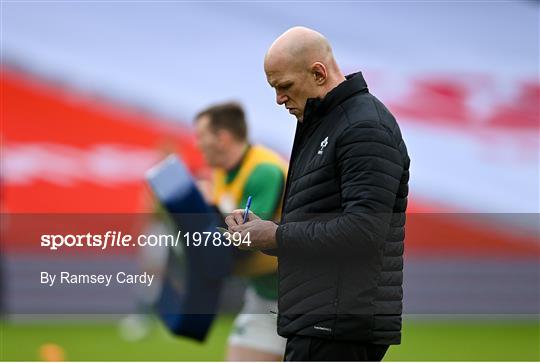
x: 319, y: 72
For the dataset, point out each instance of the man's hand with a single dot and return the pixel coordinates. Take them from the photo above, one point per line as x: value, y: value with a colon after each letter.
x: 262, y: 234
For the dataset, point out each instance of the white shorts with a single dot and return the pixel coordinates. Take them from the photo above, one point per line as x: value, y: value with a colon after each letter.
x: 256, y: 327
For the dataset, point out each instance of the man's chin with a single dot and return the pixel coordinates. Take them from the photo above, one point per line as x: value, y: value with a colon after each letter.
x: 297, y: 117
x: 212, y: 163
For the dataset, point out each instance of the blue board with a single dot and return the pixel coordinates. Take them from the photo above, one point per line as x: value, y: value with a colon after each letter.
x: 188, y: 301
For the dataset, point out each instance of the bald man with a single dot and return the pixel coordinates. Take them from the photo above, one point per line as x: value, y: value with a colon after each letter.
x: 340, y: 239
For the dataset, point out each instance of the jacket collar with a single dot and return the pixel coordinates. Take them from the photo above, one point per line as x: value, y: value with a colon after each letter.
x: 353, y: 84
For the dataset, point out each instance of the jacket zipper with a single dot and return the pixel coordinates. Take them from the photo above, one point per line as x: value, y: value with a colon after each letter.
x: 336, y: 303
x: 290, y: 171
x: 300, y: 135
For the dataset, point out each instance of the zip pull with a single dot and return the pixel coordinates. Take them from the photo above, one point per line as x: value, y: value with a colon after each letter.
x: 273, y: 312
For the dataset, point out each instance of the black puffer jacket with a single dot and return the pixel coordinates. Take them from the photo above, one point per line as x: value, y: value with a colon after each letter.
x: 340, y: 240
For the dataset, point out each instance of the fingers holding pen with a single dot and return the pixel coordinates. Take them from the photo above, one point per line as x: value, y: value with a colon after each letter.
x: 236, y: 218
x: 231, y: 220
x: 241, y: 228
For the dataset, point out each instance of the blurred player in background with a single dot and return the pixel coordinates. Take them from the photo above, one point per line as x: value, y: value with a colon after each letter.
x: 242, y: 170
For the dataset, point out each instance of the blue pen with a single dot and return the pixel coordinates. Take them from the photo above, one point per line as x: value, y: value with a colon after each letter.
x: 246, y: 211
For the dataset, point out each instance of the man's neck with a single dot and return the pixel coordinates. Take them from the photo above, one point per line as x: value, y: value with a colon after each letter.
x: 235, y: 155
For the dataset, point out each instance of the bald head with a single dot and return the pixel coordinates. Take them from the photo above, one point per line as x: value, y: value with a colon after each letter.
x: 300, y: 65
x: 301, y: 46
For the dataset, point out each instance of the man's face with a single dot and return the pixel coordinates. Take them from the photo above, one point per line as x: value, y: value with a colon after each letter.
x: 209, y: 141
x: 293, y: 87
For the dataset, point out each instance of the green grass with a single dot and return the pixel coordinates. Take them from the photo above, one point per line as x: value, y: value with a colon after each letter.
x: 422, y: 340
x: 468, y: 341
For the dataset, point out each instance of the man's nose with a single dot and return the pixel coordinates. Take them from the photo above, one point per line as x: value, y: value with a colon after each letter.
x: 280, y: 98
